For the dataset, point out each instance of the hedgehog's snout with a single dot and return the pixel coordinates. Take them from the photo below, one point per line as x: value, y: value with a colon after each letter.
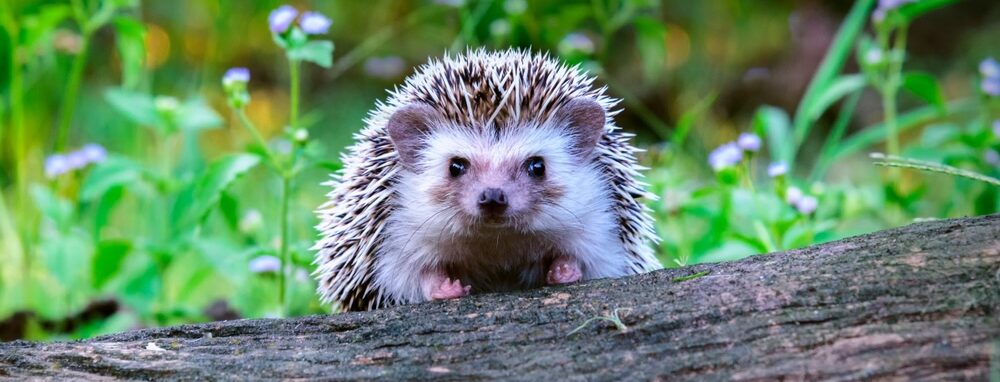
x: 493, y: 201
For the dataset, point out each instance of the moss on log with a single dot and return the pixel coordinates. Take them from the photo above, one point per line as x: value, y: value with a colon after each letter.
x: 918, y: 302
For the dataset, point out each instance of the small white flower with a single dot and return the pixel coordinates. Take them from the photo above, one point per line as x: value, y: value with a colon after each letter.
x: 500, y: 28
x: 777, y: 169
x: 515, y: 7
x: 301, y: 275
x: 874, y: 56
x: 251, y: 221
x: 166, y: 104
x: 793, y: 195
x: 265, y: 264
x: 301, y: 135
x: 748, y: 142
x: 807, y: 205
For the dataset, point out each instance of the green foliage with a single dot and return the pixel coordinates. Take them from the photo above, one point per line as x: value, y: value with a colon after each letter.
x: 192, y: 204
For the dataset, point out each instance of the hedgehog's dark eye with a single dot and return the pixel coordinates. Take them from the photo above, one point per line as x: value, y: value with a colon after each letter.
x: 458, y: 166
x: 536, y: 167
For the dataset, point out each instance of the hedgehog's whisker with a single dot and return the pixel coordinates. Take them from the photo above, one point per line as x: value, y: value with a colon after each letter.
x: 580, y: 221
x: 421, y: 227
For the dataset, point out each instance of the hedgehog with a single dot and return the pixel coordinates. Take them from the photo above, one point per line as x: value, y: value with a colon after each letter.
x: 488, y: 171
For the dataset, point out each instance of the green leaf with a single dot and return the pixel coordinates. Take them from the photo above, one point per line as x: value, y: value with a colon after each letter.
x: 230, y: 208
x: 839, y: 88
x: 195, y: 114
x: 67, y: 257
x: 652, y: 38
x: 108, y: 260
x: 911, y: 11
x: 131, y: 41
x: 836, y: 56
x: 228, y: 261
x: 217, y: 178
x: 140, y: 291
x: 113, y: 172
x: 925, y: 87
x: 774, y: 124
x: 914, y: 118
x: 53, y: 207
x: 105, y: 206
x: 935, y: 136
x: 319, y: 52
x: 139, y: 108
x: 37, y: 27
x: 688, y: 119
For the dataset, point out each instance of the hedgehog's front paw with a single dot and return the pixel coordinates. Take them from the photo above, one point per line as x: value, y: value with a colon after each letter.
x: 564, y: 270
x: 449, y: 289
x: 438, y: 286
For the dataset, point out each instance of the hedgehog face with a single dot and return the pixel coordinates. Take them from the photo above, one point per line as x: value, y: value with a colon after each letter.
x: 510, y: 176
x: 496, y: 180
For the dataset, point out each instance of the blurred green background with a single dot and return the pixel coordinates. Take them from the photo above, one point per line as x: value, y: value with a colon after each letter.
x: 133, y: 196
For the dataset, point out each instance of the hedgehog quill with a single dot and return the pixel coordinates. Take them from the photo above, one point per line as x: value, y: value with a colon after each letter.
x: 484, y: 172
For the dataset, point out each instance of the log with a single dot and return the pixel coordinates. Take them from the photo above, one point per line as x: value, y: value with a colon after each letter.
x: 918, y: 302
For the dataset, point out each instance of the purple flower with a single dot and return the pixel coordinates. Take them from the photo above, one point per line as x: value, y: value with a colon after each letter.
x: 989, y: 68
x: 389, y: 67
x: 94, y: 153
x: 576, y: 42
x: 76, y: 160
x: 991, y: 86
x: 884, y: 6
x: 265, y: 264
x: 314, y: 23
x: 724, y: 156
x: 793, y: 195
x: 992, y: 157
x: 807, y: 205
x: 281, y: 18
x: 236, y: 74
x: 748, y: 142
x: 777, y: 169
x: 893, y: 4
x: 55, y: 165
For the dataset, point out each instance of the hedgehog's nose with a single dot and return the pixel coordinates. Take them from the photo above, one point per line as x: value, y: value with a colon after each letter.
x: 493, y: 201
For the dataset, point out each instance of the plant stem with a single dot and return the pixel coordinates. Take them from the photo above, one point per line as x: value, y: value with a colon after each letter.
x: 294, y: 94
x: 285, y: 257
x: 897, y: 51
x: 70, y: 95
x: 19, y: 141
x: 250, y: 128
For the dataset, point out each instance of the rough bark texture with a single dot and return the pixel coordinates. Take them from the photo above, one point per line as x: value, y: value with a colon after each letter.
x: 919, y: 302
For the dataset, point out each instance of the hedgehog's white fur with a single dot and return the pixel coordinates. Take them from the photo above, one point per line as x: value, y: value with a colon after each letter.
x: 379, y: 232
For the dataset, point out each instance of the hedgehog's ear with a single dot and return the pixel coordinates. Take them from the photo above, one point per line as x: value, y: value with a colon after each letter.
x: 585, y: 118
x: 407, y: 128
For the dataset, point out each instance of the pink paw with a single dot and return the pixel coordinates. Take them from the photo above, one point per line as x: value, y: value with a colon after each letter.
x: 449, y: 289
x: 563, y: 270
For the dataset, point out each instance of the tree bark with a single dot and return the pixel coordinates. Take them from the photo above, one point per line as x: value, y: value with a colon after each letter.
x: 918, y: 302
